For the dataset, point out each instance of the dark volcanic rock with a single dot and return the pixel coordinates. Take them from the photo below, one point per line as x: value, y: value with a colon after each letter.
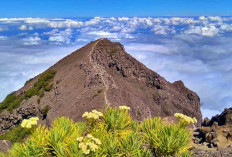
x: 11, y: 120
x: 104, y: 66
x: 225, y: 118
x: 216, y: 134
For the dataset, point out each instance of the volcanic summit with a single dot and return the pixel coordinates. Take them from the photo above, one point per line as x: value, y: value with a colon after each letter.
x: 101, y: 74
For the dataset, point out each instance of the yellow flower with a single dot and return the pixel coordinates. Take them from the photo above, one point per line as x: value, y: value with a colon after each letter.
x: 85, y: 114
x: 87, y: 151
x: 33, y: 122
x: 98, y: 113
x: 185, y: 119
x: 92, y: 115
x: 81, y: 145
x: 80, y: 139
x: 27, y: 123
x: 92, y: 146
x: 97, y: 141
x: 34, y: 119
x: 124, y: 107
x: 195, y: 120
x: 24, y: 123
x: 89, y: 136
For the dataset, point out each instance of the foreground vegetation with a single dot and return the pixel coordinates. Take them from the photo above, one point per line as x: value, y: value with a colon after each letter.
x: 13, y: 101
x: 109, y: 133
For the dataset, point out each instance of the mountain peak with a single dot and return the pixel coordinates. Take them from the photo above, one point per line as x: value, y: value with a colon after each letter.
x: 101, y: 74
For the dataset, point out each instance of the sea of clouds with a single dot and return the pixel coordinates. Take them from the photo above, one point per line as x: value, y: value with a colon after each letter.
x: 196, y: 50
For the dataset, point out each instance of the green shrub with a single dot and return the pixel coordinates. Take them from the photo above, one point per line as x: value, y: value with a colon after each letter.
x: 167, y: 140
x: 48, y: 87
x: 98, y: 92
x: 11, y: 102
x: 131, y: 144
x: 45, y: 111
x: 41, y: 85
x: 2, y: 154
x: 28, y: 81
x: 63, y: 133
x: 16, y: 135
x: 112, y: 134
x: 110, y: 145
x: 117, y: 119
x: 31, y: 92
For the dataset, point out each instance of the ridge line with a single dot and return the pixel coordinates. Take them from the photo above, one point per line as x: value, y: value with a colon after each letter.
x: 99, y: 71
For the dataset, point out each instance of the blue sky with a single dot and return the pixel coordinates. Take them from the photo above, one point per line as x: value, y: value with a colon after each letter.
x: 116, y: 8
x: 196, y: 50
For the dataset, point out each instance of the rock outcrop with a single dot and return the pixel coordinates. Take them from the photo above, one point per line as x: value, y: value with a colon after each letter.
x: 214, y: 138
x: 100, y: 74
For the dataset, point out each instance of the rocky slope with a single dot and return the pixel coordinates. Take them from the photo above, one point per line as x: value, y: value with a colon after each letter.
x: 214, y: 138
x: 100, y: 74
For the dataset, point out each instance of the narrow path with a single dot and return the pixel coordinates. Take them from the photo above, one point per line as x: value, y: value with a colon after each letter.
x: 100, y: 71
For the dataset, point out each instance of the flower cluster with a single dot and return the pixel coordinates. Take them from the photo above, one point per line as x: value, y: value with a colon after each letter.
x: 185, y: 119
x: 28, y: 123
x: 124, y: 107
x: 90, y: 144
x: 92, y: 115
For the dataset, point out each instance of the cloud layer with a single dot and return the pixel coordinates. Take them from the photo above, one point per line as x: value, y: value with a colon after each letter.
x: 196, y: 50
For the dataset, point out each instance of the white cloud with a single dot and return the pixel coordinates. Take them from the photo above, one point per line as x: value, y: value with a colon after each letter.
x: 209, y: 31
x: 195, y: 50
x: 103, y: 34
x: 62, y: 37
x: 215, y: 18
x: 54, y: 31
x: 23, y: 27
x: 202, y: 18
x: 163, y: 30
x: 194, y: 30
x: 226, y: 27
x: 150, y: 48
x: 31, y: 41
x: 81, y: 40
x: 3, y: 37
x: 30, y: 28
x: 65, y: 24
x: 93, y: 21
x: 123, y: 19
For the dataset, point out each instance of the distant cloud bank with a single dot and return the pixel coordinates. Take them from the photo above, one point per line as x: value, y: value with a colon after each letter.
x: 196, y: 50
